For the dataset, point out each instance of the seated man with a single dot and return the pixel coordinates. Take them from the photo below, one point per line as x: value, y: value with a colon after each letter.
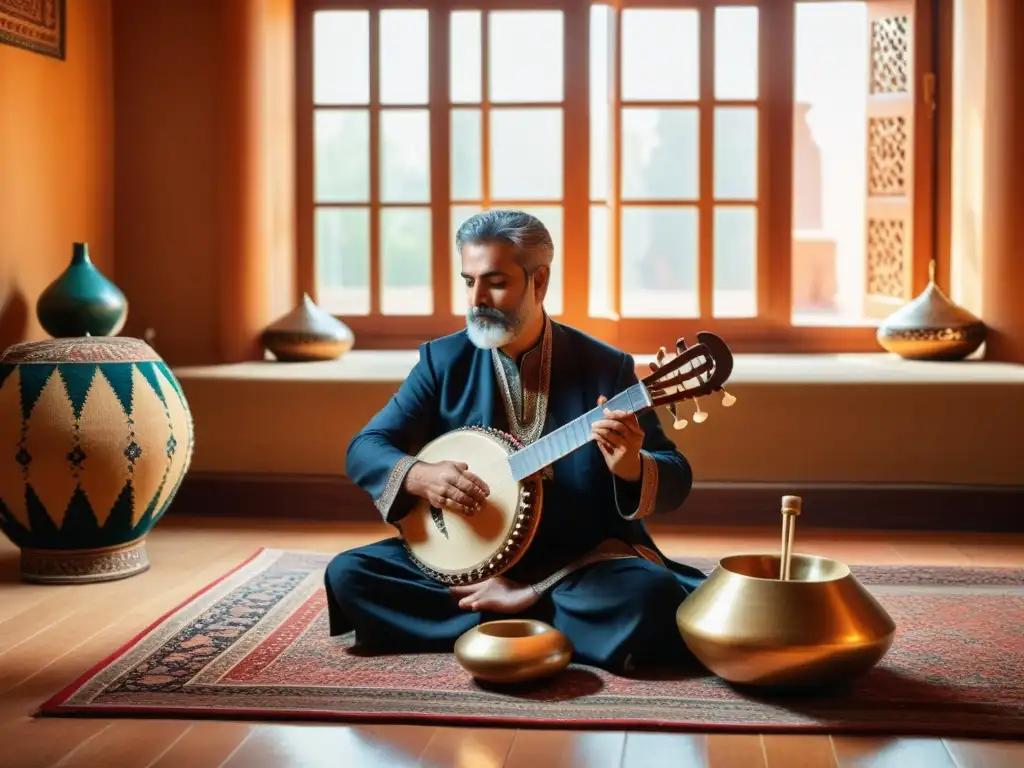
x: 592, y: 570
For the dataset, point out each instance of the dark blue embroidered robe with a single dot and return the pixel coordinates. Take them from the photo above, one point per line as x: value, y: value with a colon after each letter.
x: 455, y: 384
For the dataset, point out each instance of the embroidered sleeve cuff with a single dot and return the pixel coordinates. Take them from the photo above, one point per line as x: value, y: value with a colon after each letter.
x: 648, y: 490
x: 386, y: 500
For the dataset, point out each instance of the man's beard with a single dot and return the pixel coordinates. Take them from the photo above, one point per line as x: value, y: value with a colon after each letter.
x: 490, y: 328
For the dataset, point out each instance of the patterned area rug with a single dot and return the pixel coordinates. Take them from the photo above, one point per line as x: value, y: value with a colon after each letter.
x: 255, y: 645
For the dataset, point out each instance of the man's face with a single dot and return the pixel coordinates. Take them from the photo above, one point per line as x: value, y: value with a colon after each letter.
x: 501, y: 297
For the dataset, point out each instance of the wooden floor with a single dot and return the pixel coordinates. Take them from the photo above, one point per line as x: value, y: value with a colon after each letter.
x: 50, y: 635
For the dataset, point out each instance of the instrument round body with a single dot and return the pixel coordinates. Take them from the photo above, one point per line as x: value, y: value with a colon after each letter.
x: 457, y: 549
x: 513, y: 651
x: 95, y: 438
x: 819, y: 628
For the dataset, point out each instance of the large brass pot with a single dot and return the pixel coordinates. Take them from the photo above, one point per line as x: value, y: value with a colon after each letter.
x: 749, y: 627
x: 513, y: 651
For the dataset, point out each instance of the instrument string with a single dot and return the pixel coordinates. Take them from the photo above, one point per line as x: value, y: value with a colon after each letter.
x: 574, y: 434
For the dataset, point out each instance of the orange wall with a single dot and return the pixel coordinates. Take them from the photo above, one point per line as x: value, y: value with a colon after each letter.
x: 987, y: 272
x: 169, y: 93
x: 204, y: 182
x: 56, y: 164
x: 1003, y: 270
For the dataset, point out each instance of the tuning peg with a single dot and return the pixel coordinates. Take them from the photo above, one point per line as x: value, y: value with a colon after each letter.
x: 654, y: 366
x: 700, y: 416
x: 677, y: 422
x: 727, y: 399
x: 680, y: 345
x: 660, y: 357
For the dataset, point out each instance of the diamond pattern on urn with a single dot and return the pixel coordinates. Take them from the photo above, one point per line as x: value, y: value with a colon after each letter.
x: 12, y: 473
x: 85, y: 433
x: 107, y: 469
x: 150, y: 468
x: 181, y: 426
x: 49, y: 439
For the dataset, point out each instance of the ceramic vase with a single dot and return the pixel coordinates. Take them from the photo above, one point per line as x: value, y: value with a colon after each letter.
x: 82, y: 301
x: 931, y: 327
x: 307, y: 334
x: 95, y: 438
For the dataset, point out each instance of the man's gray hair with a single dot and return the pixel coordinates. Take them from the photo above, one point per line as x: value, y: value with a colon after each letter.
x: 527, y: 233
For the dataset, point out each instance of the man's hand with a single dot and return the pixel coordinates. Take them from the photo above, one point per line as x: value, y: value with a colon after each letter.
x: 447, y: 485
x: 620, y: 438
x: 496, y: 595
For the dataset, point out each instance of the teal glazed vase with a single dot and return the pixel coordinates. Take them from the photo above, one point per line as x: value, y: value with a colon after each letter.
x: 82, y: 301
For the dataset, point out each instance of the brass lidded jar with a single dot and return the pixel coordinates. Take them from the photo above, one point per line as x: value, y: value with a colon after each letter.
x: 931, y: 327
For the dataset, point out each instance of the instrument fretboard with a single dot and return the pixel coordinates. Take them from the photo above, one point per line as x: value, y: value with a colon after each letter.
x: 577, y: 433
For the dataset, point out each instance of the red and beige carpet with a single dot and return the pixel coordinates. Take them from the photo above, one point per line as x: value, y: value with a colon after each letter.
x: 254, y: 645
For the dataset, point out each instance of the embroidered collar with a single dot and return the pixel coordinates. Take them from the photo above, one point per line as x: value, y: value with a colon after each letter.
x: 524, y: 388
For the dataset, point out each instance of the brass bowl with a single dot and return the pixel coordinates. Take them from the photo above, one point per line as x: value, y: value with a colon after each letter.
x: 513, y: 651
x: 751, y: 628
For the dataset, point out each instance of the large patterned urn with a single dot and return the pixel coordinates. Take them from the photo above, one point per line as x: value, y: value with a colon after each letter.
x: 95, y: 439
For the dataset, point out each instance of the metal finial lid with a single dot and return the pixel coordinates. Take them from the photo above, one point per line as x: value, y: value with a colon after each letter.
x: 792, y: 504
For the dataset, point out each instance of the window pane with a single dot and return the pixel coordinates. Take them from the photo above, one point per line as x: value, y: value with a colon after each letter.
x: 736, y: 153
x: 465, y: 55
x: 551, y: 217
x: 600, y: 262
x: 735, y: 272
x: 659, y: 262
x: 832, y: 70
x: 341, y: 57
x: 343, y: 260
x: 660, y: 154
x: 736, y: 53
x: 404, y: 63
x: 526, y: 154
x: 660, y: 54
x: 525, y: 56
x: 467, y: 155
x: 405, y: 261
x: 405, y: 156
x: 600, y: 108
x: 342, y: 162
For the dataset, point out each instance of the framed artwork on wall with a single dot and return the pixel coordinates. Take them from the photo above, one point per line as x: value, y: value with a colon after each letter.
x: 35, y: 25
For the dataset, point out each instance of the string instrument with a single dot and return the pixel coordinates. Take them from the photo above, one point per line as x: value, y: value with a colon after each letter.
x: 456, y: 549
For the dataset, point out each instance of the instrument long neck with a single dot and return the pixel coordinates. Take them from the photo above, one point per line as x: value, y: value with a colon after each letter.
x: 577, y: 433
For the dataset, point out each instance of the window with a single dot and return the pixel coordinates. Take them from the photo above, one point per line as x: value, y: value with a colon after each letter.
x: 763, y: 170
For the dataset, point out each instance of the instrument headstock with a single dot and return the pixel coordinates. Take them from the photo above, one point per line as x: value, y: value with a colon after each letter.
x: 690, y: 374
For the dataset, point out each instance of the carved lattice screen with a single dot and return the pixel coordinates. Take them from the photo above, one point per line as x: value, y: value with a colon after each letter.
x: 890, y: 156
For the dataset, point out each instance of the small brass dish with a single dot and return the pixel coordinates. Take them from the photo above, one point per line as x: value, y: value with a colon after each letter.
x: 750, y: 625
x: 513, y: 651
